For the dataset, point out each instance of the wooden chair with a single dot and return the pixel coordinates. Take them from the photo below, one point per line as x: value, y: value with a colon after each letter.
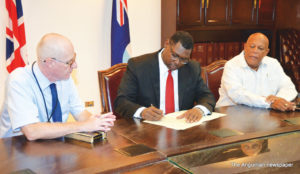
x: 109, y: 81
x: 289, y: 48
x: 212, y: 76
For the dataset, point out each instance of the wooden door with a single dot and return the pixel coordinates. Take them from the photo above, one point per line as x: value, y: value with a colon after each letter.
x: 217, y: 12
x: 243, y: 12
x: 190, y: 12
x: 266, y: 12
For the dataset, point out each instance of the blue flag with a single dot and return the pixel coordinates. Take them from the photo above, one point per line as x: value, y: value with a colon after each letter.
x: 120, y: 38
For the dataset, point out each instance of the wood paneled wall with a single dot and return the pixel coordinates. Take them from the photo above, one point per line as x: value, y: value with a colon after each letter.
x: 288, y: 14
x: 168, y: 19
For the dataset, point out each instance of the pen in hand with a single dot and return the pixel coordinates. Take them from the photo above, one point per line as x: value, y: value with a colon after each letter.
x: 153, y: 113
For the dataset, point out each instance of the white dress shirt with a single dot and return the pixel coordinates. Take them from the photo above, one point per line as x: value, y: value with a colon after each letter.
x: 241, y: 84
x: 163, y: 75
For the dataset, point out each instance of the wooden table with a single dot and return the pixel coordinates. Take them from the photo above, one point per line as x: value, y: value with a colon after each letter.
x: 59, y: 156
x: 164, y: 167
x: 253, y: 122
x: 273, y: 154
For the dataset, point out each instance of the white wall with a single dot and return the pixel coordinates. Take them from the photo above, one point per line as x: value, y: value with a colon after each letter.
x: 87, y: 24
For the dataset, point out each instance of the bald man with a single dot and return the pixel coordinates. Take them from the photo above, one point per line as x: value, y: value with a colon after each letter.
x: 254, y: 79
x: 30, y: 107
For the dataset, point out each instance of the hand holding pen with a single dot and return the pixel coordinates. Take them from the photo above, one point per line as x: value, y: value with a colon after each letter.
x: 152, y: 113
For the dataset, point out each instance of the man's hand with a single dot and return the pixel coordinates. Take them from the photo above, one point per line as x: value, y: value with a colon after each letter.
x: 281, y: 104
x: 192, y: 115
x: 102, y: 122
x: 271, y: 98
x: 87, y: 123
x: 152, y: 114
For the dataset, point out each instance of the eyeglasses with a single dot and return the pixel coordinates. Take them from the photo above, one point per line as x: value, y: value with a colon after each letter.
x: 174, y: 56
x: 68, y: 63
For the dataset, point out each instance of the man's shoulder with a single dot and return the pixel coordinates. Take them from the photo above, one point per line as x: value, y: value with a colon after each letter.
x: 19, y: 70
x: 236, y: 61
x: 193, y: 67
x: 20, y: 75
x: 193, y: 64
x: 143, y: 60
x: 270, y: 60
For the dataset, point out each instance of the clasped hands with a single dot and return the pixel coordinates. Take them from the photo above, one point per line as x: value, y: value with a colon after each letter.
x: 281, y: 104
x: 102, y: 122
x: 154, y: 114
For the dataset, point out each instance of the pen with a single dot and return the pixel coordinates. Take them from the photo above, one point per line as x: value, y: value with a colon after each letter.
x: 151, y: 105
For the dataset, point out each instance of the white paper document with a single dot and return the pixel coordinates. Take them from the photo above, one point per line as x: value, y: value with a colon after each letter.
x: 170, y: 120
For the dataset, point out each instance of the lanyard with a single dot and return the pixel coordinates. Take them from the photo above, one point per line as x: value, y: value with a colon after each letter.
x: 37, y: 82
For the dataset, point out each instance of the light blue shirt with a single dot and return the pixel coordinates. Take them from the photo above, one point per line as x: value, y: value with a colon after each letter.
x: 24, y: 102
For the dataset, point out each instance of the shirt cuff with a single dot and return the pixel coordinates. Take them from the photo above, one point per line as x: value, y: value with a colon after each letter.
x: 138, y: 112
x: 265, y: 104
x: 204, y: 109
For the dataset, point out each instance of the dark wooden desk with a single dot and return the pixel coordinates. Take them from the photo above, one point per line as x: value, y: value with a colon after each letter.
x: 253, y: 122
x: 273, y: 154
x: 164, y: 167
x: 57, y: 156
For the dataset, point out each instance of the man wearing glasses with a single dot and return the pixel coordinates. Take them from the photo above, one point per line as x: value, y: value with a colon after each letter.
x: 163, y: 82
x: 40, y: 96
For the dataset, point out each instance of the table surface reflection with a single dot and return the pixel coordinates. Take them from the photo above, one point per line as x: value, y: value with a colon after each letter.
x: 252, y: 122
x: 65, y: 156
x: 274, y: 154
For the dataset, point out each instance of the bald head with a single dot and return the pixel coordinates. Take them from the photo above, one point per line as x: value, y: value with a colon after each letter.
x: 54, y: 45
x: 56, y: 57
x: 259, y: 36
x: 256, y: 48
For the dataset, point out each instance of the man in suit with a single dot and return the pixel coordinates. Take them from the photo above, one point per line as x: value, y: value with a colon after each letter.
x: 145, y: 90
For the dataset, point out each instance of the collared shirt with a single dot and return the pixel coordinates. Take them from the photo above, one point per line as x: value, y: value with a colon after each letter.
x: 242, y: 85
x: 24, y: 102
x: 163, y: 75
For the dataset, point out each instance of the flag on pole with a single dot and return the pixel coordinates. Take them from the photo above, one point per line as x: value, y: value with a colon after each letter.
x: 16, y: 55
x: 120, y: 38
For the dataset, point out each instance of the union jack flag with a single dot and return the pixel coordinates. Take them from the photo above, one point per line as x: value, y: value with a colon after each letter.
x: 15, y: 36
x: 120, y: 38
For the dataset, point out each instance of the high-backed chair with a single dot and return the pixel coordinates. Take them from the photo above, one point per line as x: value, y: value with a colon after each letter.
x: 289, y: 43
x: 109, y: 81
x: 213, y: 74
x: 203, y: 74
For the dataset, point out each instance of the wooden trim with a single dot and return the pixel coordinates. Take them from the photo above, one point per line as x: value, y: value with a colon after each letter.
x: 103, y: 75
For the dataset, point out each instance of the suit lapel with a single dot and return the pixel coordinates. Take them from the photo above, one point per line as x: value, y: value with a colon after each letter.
x: 183, y: 75
x: 155, y: 79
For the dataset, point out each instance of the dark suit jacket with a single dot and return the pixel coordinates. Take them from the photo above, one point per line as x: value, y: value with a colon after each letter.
x: 140, y: 86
